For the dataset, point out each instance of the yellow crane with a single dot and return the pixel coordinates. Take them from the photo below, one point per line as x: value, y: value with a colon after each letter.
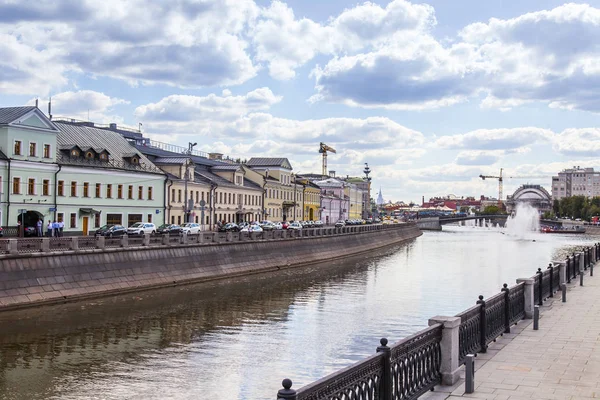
x: 323, y: 149
x: 499, y: 185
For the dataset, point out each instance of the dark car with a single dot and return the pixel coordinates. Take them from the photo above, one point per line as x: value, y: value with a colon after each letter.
x: 231, y: 227
x: 30, y: 231
x: 171, y: 229
x: 111, y: 230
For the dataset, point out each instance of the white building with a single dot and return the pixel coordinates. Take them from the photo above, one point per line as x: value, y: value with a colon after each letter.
x: 576, y: 181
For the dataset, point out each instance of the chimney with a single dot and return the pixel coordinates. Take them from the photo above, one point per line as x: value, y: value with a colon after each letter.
x: 215, y: 156
x: 423, y: 202
x: 112, y: 126
x: 332, y: 174
x: 36, y: 103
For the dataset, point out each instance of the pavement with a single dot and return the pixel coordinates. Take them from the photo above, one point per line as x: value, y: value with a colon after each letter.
x: 561, y: 360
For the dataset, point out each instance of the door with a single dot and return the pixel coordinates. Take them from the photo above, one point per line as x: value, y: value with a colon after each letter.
x: 85, y: 225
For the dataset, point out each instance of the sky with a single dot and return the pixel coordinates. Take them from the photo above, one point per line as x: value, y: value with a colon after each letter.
x: 429, y: 94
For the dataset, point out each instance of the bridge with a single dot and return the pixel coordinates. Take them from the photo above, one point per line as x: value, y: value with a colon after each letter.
x: 435, y: 223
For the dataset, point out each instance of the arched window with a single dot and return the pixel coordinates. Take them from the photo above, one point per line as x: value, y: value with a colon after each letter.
x: 103, y: 157
x: 74, y: 153
x: 134, y: 160
x: 89, y: 155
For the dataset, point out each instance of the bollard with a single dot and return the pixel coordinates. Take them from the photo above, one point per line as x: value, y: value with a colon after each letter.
x: 563, y: 289
x: 287, y: 393
x: 580, y: 278
x: 469, y: 373
x: 536, y: 318
x: 592, y: 268
x: 539, y: 275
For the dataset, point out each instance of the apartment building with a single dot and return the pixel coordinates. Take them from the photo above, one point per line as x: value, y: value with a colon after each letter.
x: 576, y: 181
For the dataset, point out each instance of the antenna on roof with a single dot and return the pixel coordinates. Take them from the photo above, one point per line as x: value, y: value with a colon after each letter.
x: 50, y: 108
x: 139, y: 126
x: 36, y: 103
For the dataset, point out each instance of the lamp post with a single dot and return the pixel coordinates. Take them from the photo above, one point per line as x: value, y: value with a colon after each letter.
x: 186, y: 208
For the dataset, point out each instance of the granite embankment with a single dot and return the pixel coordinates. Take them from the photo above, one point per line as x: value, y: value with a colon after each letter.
x: 48, y: 277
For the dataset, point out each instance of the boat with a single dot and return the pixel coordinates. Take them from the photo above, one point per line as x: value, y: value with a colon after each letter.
x: 562, y: 229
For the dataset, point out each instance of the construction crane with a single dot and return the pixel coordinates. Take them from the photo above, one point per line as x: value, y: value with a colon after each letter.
x: 499, y: 185
x: 323, y: 149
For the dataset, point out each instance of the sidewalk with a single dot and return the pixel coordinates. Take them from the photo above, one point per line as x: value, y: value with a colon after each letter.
x: 559, y: 361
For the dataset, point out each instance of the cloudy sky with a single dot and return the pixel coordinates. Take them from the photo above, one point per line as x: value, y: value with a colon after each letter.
x: 430, y: 94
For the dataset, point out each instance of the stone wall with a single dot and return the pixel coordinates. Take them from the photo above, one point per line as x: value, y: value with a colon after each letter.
x: 38, y: 278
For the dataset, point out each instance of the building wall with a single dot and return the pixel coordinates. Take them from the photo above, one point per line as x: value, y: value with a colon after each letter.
x: 576, y: 182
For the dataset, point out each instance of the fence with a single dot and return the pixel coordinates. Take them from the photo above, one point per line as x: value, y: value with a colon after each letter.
x: 432, y: 356
x: 14, y: 246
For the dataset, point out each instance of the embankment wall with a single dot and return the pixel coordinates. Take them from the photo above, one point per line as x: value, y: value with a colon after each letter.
x: 39, y: 278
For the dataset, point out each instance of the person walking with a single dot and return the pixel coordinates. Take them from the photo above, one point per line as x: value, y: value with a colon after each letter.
x: 39, y: 228
x: 61, y: 226
x: 49, y: 233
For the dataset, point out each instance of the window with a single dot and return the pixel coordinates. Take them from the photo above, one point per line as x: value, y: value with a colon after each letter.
x: 130, y: 192
x: 86, y: 189
x: 134, y: 160
x: 31, y: 186
x: 172, y: 194
x: 221, y: 198
x: 150, y: 218
x: 61, y: 188
x: 140, y: 192
x: 73, y: 220
x: 150, y: 194
x: 16, y: 185
x: 60, y: 217
x: 74, y: 153
x: 119, y: 192
x: 89, y: 155
x: 32, y: 149
x: 98, y: 188
x: 46, y: 151
x: 196, y: 219
x: 238, y: 179
x: 114, y: 219
x: 229, y: 202
x: 73, y: 189
x: 202, y: 195
x: 179, y: 196
x: 172, y: 219
x: 17, y: 149
x: 179, y: 220
x: 109, y: 191
x: 96, y: 220
x: 104, y: 157
x: 133, y: 218
x: 46, y: 187
x: 197, y: 196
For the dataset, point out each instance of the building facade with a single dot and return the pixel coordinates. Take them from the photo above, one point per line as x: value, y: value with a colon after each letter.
x: 576, y: 181
x: 335, y: 204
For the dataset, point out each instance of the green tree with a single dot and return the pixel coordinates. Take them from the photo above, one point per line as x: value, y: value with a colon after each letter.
x: 491, y: 210
x: 556, y: 206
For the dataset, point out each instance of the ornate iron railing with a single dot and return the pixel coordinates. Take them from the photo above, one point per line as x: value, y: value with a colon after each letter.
x: 469, y: 333
x: 360, y: 381
x: 29, y: 245
x: 87, y: 242
x: 415, y: 363
x: 112, y: 242
x: 60, y: 243
x: 495, y: 317
x: 516, y: 307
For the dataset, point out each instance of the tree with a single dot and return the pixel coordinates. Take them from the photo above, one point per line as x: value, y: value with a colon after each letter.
x: 491, y: 210
x: 556, y: 206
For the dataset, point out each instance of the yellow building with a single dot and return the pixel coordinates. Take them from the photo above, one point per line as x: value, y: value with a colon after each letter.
x: 311, y: 199
x: 355, y: 196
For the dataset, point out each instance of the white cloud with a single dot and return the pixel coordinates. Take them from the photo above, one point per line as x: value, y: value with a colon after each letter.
x: 496, y: 139
x: 578, y: 142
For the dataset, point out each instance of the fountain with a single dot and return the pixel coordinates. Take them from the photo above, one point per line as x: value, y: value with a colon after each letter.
x: 524, y: 221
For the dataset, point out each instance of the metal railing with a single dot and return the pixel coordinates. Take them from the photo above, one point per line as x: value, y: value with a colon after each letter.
x: 413, y: 365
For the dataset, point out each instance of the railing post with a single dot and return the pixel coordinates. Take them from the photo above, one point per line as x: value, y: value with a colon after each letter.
x: 45, y: 245
x: 575, y: 266
x: 124, y: 241
x: 568, y: 262
x: 585, y: 258
x: 74, y: 243
x: 482, y: 324
x: 13, y: 246
x: 386, y: 377
x: 449, y: 348
x: 540, y: 276
x: 506, y: 291
x: 287, y: 393
x: 592, y: 260
x: 146, y: 240
x: 101, y: 242
x: 529, y: 296
x: 165, y: 239
x: 551, y: 268
x: 581, y: 266
x: 562, y: 274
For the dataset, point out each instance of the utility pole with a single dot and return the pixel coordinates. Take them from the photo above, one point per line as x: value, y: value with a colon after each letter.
x: 186, y: 208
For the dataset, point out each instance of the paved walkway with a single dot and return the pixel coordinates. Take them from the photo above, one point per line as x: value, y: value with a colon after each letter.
x: 559, y: 361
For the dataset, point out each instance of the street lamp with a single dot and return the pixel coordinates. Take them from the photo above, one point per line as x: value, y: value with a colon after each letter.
x: 186, y: 207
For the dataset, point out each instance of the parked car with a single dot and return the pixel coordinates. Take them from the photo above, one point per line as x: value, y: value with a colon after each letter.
x: 285, y: 225
x: 252, y: 228
x: 191, y: 228
x: 295, y: 226
x: 318, y: 224
x: 340, y: 224
x: 30, y: 231
x: 278, y: 226
x: 268, y: 226
x: 171, y: 229
x: 111, y: 230
x: 242, y: 225
x: 231, y: 227
x: 142, y: 228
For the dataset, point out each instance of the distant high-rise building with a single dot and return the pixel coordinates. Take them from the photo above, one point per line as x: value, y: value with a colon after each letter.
x: 380, y: 198
x: 576, y: 181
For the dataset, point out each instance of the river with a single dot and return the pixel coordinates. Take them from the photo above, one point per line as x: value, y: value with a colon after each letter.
x: 238, y: 338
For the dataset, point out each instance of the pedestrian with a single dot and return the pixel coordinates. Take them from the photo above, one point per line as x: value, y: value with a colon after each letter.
x: 49, y: 233
x: 55, y: 229
x: 19, y: 232
x: 61, y: 226
x: 39, y: 228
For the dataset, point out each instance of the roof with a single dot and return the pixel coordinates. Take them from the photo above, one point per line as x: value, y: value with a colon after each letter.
x: 115, y: 144
x: 9, y: 114
x: 205, y: 176
x: 228, y: 167
x: 269, y: 162
x: 171, y: 160
x: 153, y: 152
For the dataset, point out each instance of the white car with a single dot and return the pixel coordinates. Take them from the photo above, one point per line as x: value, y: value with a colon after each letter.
x: 252, y: 228
x: 191, y: 228
x: 295, y: 226
x: 142, y: 228
x: 278, y: 226
x: 318, y: 224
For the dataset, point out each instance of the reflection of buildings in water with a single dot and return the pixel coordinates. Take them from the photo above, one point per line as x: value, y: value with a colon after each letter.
x: 41, y: 344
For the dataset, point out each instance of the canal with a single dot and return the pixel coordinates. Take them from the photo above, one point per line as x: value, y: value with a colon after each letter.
x: 236, y: 339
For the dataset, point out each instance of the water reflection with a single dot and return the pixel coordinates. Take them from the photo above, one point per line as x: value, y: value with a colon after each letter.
x: 237, y: 339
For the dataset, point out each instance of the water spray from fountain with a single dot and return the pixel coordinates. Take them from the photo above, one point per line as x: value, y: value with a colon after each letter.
x: 524, y: 222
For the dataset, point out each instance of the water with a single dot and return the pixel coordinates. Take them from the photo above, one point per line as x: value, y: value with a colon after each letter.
x: 237, y: 339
